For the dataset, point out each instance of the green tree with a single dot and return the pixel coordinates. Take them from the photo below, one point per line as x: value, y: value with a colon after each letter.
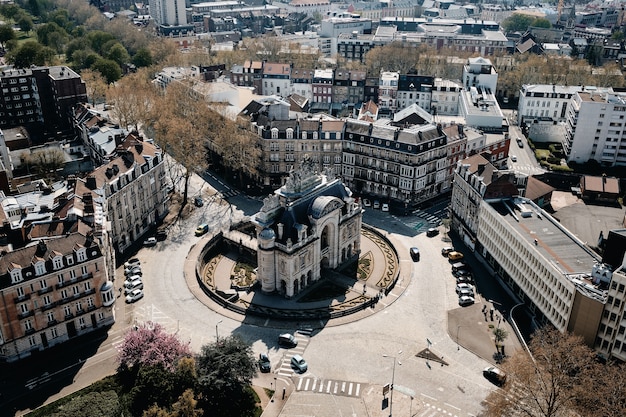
x: 500, y: 335
x: 143, y: 58
x: 9, y: 10
x: 6, y: 34
x: 225, y: 371
x: 517, y: 22
x: 30, y: 53
x: 98, y: 38
x: 118, y: 54
x: 25, y: 23
x: 541, y: 22
x: 109, y: 69
x: 45, y: 31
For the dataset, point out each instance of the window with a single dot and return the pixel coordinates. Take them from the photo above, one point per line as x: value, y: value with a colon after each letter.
x: 84, y: 270
x: 20, y: 291
x: 50, y: 316
x: 32, y: 341
x: 28, y: 325
x: 16, y: 276
x: 57, y: 262
x: 43, y: 284
x: 81, y: 255
x: 90, y: 302
x: 87, y: 285
x: 61, y: 279
x: 63, y: 294
x: 46, y: 300
x: 79, y: 306
x: 69, y: 260
x: 23, y: 308
x: 53, y: 333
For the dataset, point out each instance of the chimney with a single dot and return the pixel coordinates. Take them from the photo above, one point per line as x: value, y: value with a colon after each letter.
x: 281, y: 228
x: 41, y: 248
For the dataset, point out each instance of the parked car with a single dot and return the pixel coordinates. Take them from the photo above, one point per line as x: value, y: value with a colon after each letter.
x: 445, y: 251
x: 130, y: 280
x: 495, y: 375
x: 466, y: 301
x: 287, y: 340
x: 415, y: 254
x: 299, y: 363
x: 133, y: 285
x: 464, y: 279
x: 460, y: 265
x: 385, y: 207
x: 132, y: 270
x: 466, y: 292
x: 367, y: 203
x: 464, y: 286
x: 161, y: 234
x: 134, y: 295
x: 513, y: 158
x: 198, y: 201
x: 462, y: 273
x: 455, y: 256
x: 376, y: 204
x: 132, y: 262
x: 202, y: 229
x: 520, y: 143
x: 264, y: 363
x: 432, y: 232
x: 151, y: 241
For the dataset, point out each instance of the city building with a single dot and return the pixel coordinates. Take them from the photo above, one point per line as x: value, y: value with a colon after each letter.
x: 388, y: 90
x: 479, y: 72
x: 130, y: 191
x: 402, y: 166
x: 40, y: 99
x: 276, y: 79
x: 301, y: 82
x: 168, y: 12
x: 53, y: 290
x: 593, y: 129
x: 322, y: 84
x: 311, y: 224
x: 445, y: 97
x: 414, y: 89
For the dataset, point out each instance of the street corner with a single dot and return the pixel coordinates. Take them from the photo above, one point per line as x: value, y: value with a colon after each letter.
x: 380, y: 401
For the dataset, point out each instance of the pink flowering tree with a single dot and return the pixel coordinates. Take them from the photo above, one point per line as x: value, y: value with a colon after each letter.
x: 150, y: 345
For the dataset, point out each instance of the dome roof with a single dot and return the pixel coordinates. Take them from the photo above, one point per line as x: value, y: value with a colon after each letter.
x: 267, y: 234
x: 323, y: 205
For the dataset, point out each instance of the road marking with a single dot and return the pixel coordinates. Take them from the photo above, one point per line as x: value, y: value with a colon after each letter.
x: 450, y: 405
x: 306, y: 386
x: 428, y: 396
x: 299, y: 384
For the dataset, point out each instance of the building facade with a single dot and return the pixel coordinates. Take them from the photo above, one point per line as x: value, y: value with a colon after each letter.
x: 52, y: 292
x: 310, y: 224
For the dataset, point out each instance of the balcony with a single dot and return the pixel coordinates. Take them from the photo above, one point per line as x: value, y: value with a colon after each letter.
x: 69, y: 316
x: 44, y: 290
x: 48, y: 306
x: 52, y: 323
x: 29, y: 331
x: 21, y: 298
x: 25, y: 314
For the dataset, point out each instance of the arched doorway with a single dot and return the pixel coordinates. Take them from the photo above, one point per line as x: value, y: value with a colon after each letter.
x: 283, y: 287
x: 296, y: 287
x: 309, y: 278
x: 324, y: 242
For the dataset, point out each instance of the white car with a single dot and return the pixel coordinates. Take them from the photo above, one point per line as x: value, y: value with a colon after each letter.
x: 134, y: 295
x: 385, y: 207
x: 132, y: 262
x: 513, y: 158
x: 464, y: 286
x: 133, y: 270
x: 376, y: 204
x: 466, y: 293
x: 131, y: 280
x: 367, y: 203
x: 151, y: 241
x: 466, y: 301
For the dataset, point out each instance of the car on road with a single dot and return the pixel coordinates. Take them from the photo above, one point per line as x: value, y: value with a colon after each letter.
x: 128, y: 282
x: 460, y: 265
x: 264, y: 363
x: 464, y: 286
x: 202, y: 229
x: 287, y: 340
x: 198, y: 201
x: 385, y: 207
x: 299, y: 363
x: 132, y: 262
x: 376, y: 204
x: 433, y: 231
x: 132, y: 270
x: 466, y: 301
x: 455, y: 256
x: 161, y: 235
x: 495, y: 375
x: 133, y: 285
x: 462, y: 273
x: 367, y: 203
x: 134, y: 295
x: 415, y: 254
x: 513, y: 158
x: 445, y: 251
x: 519, y: 142
x: 151, y: 241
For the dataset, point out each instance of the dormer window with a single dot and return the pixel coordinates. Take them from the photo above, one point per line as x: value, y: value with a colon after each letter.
x: 16, y: 276
x: 69, y: 260
x: 57, y: 262
x: 40, y: 268
x: 81, y: 255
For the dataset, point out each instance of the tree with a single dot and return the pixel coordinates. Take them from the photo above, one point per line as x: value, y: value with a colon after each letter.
x: 109, y: 69
x: 225, y: 371
x: 46, y: 163
x: 500, y: 335
x: 30, y: 53
x: 541, y: 22
x: 186, y: 406
x: 182, y: 121
x: 548, y: 383
x: 25, y: 23
x: 517, y: 22
x: 143, y: 58
x: 118, y: 54
x: 132, y: 98
x: 6, y: 34
x: 95, y: 84
x: 150, y: 345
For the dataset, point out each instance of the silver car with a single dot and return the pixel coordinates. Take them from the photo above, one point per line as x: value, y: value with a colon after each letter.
x: 299, y: 363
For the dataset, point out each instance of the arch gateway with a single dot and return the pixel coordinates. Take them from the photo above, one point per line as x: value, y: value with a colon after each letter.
x: 309, y: 224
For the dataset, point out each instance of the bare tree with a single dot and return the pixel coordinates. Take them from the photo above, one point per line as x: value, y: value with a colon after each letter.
x: 46, y: 163
x: 132, y: 98
x: 96, y: 85
x: 548, y: 383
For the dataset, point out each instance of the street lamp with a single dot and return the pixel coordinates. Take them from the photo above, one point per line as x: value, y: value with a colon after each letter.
x: 393, y: 378
x: 217, y: 336
x: 458, y: 346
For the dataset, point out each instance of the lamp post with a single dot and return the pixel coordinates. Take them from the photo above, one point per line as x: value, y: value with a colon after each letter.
x: 393, y: 378
x: 458, y: 346
x: 217, y: 335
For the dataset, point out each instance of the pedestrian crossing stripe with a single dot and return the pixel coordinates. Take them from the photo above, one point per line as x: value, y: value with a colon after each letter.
x: 344, y: 388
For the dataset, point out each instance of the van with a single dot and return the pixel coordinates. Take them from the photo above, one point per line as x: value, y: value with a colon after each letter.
x: 202, y: 229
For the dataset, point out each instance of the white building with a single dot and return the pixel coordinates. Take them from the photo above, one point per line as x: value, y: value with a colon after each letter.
x: 445, y: 97
x: 479, y: 72
x: 480, y: 109
x: 593, y: 129
x: 311, y: 223
x: 168, y: 12
x: 388, y: 89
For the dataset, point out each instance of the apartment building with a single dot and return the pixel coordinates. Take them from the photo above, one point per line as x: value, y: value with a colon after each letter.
x: 388, y: 90
x: 301, y: 82
x: 594, y: 128
x: 40, y: 98
x: 130, y: 191
x: 445, y: 97
x: 401, y: 166
x: 322, y: 84
x: 99, y: 137
x: 53, y: 291
x: 414, y: 89
x: 276, y: 79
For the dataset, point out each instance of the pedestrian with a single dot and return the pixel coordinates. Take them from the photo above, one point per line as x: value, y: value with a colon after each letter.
x: 364, y: 288
x: 491, y: 311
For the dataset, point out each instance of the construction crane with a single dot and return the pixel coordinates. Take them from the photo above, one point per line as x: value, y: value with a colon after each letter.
x: 559, y: 10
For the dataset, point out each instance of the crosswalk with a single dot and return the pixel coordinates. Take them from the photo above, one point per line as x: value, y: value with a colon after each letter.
x: 343, y: 388
x: 303, y: 337
x: 433, y: 410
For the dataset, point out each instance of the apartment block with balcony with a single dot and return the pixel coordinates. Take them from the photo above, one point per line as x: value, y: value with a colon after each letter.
x: 53, y: 291
x: 276, y: 79
x: 602, y: 136
x: 414, y: 89
x: 402, y: 166
x: 322, y: 84
x: 130, y: 191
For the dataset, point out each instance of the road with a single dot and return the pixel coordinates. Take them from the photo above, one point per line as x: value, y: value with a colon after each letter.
x: 360, y: 350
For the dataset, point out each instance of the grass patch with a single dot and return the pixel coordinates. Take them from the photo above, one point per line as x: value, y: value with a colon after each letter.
x: 323, y: 291
x: 243, y: 274
x: 542, y: 154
